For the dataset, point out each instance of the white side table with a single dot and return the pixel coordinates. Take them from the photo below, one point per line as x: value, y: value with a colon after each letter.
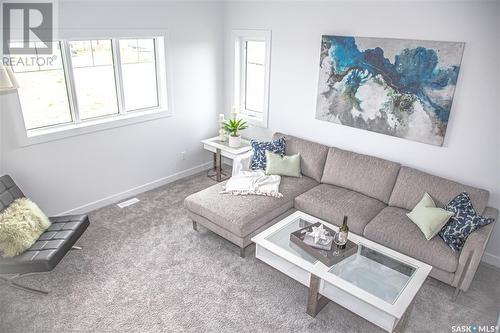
x: 221, y: 148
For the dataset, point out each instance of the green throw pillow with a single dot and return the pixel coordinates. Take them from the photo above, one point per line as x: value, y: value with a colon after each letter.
x: 283, y: 165
x: 21, y: 224
x: 429, y: 218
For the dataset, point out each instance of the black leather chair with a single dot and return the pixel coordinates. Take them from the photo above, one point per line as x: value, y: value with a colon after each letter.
x: 48, y: 250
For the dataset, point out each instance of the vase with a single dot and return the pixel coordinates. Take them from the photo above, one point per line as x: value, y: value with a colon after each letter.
x: 234, y: 141
x: 222, y: 135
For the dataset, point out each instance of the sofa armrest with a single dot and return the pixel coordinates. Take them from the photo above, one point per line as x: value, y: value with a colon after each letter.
x: 472, y: 252
x: 242, y: 162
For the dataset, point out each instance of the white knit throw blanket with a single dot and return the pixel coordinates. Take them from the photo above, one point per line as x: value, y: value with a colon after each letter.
x: 253, y: 182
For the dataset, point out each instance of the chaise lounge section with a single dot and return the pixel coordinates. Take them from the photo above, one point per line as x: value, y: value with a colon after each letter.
x: 239, y: 218
x: 374, y: 193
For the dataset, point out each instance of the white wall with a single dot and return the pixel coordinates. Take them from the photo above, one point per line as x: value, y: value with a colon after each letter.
x: 65, y: 174
x: 472, y: 145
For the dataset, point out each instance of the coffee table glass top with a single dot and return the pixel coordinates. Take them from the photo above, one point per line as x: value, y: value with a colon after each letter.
x: 376, y: 273
x: 382, y: 276
x: 281, y: 238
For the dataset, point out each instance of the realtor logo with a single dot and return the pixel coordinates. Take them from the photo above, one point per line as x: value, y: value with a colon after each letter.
x: 27, y: 23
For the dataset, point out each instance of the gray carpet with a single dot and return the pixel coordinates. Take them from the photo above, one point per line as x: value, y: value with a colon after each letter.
x: 143, y: 269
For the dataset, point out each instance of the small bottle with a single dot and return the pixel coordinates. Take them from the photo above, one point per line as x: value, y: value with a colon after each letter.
x: 343, y: 233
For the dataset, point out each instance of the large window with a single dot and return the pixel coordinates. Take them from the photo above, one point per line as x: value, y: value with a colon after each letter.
x: 92, y: 79
x: 251, y: 74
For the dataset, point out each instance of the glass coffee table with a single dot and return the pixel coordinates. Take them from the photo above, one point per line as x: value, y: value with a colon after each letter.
x: 377, y: 283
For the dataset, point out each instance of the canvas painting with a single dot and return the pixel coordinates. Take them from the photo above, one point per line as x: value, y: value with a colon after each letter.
x: 397, y: 87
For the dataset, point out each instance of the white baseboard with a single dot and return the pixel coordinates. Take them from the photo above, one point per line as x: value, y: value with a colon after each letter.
x: 136, y: 190
x: 491, y: 259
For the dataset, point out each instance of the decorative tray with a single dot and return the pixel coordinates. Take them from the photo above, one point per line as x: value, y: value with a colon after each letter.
x: 327, y: 257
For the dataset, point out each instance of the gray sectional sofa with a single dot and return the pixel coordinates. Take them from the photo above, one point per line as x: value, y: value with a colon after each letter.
x: 374, y: 193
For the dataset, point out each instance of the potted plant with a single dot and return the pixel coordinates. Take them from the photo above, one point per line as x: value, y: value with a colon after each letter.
x: 232, y: 127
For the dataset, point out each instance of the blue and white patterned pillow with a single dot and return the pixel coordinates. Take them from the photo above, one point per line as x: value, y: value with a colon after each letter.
x: 259, y: 151
x: 463, y: 223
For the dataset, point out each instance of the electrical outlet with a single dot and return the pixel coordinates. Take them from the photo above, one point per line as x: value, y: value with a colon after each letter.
x: 183, y: 155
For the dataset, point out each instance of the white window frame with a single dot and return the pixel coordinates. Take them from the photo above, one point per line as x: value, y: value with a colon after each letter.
x: 239, y: 39
x: 122, y: 118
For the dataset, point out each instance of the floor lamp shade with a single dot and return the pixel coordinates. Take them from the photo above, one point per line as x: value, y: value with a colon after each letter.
x: 7, y: 79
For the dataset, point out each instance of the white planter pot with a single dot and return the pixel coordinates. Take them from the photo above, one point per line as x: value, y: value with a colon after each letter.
x: 234, y: 141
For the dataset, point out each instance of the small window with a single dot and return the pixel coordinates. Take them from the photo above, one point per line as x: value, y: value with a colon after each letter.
x: 94, y: 77
x: 90, y: 79
x: 139, y: 73
x: 251, y: 72
x: 42, y: 91
x: 255, y: 76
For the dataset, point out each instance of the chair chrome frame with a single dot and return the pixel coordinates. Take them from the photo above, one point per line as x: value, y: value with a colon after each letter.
x: 10, y: 281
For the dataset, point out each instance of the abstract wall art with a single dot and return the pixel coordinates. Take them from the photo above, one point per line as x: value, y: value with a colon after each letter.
x: 397, y: 87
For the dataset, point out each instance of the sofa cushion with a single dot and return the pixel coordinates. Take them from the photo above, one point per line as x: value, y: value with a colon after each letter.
x: 241, y: 215
x: 392, y: 228
x: 412, y: 184
x: 313, y: 155
x: 464, y: 221
x: 331, y: 203
x: 287, y: 165
x: 259, y: 149
x: 368, y: 175
x: 429, y: 218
